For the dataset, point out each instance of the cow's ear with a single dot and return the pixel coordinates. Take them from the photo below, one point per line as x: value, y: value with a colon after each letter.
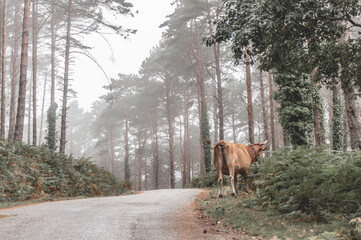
x: 263, y: 148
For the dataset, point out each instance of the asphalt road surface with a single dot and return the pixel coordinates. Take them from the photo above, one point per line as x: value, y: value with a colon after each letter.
x: 149, y: 215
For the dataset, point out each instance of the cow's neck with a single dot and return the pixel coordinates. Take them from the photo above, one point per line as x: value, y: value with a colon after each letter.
x: 255, y: 153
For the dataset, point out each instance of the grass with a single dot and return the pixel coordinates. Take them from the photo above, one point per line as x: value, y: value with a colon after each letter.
x: 239, y: 213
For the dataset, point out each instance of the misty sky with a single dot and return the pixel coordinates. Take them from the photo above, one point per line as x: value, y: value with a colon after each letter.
x: 124, y: 56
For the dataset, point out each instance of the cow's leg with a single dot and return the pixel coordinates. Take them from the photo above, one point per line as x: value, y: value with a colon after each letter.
x: 246, y: 180
x: 220, y: 183
x: 235, y: 182
x: 231, y: 177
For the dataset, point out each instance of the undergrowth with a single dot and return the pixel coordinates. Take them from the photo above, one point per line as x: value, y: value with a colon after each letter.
x: 37, y: 173
x: 297, y: 194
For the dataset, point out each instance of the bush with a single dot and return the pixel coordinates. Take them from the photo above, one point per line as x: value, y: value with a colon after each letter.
x: 309, y: 184
x: 28, y: 172
x: 208, y: 181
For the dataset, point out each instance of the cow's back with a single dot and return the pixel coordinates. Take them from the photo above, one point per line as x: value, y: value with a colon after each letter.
x: 242, y: 156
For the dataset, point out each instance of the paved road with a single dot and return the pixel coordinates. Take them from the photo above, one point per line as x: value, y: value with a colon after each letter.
x: 149, y: 215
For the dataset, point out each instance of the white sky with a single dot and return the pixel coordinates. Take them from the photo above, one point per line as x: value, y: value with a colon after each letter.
x: 124, y: 56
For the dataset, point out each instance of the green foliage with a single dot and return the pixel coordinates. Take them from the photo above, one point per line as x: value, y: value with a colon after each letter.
x: 295, y: 111
x: 311, y: 185
x: 206, y: 147
x: 239, y: 213
x: 337, y: 125
x: 51, y: 137
x: 297, y: 190
x: 29, y: 172
x: 209, y: 180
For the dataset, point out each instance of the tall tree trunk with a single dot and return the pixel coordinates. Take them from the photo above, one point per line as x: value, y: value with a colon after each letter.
x: 35, y: 66
x: 215, y: 112
x: 186, y: 149
x: 264, y: 112
x: 126, y: 148
x: 181, y: 147
x: 204, y: 123
x: 186, y: 138
x: 216, y: 54
x: 144, y: 157
x: 42, y: 112
x: 155, y: 152
x: 249, y: 99
x: 216, y: 50
x: 19, y: 127
x: 202, y: 168
x: 14, y: 63
x: 170, y: 131
x: 337, y: 118
x: 3, y: 72
x: 140, y: 159
x: 317, y: 112
x: 29, y: 114
x: 66, y: 81
x: 53, y: 47
x: 272, y: 112
x: 353, y: 117
x: 346, y: 129
x: 112, y: 151
x: 278, y: 129
x: 233, y: 117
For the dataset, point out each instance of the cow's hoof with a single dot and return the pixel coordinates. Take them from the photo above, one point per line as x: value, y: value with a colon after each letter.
x: 233, y: 194
x: 220, y: 196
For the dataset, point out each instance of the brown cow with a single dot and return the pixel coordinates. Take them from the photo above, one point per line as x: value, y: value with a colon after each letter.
x: 233, y: 158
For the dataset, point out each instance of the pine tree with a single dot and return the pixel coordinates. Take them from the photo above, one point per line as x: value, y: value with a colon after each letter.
x: 19, y: 127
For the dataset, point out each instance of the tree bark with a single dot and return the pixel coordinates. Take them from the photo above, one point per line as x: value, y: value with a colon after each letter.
x: 66, y: 81
x: 215, y: 112
x: 42, y: 113
x: 3, y: 72
x: 216, y: 54
x: 29, y: 114
x: 14, y: 63
x: 170, y: 131
x: 249, y: 99
x: 337, y: 118
x: 317, y: 114
x: 353, y: 117
x: 233, y: 117
x: 112, y: 151
x: 155, y: 151
x: 204, y: 123
x: 264, y: 112
x: 140, y: 159
x: 186, y: 142
x: 126, y: 148
x: 272, y: 112
x: 35, y: 67
x: 19, y: 126
x: 53, y: 48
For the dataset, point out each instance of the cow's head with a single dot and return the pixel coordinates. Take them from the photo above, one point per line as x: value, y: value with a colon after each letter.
x: 259, y: 148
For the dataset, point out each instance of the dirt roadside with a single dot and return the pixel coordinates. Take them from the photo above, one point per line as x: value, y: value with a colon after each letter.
x: 196, y: 226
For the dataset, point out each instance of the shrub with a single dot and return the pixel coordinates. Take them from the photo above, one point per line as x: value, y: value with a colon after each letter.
x: 28, y: 172
x: 208, y: 181
x: 309, y: 184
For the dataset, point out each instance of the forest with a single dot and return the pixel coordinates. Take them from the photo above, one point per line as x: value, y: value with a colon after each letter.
x: 285, y: 72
